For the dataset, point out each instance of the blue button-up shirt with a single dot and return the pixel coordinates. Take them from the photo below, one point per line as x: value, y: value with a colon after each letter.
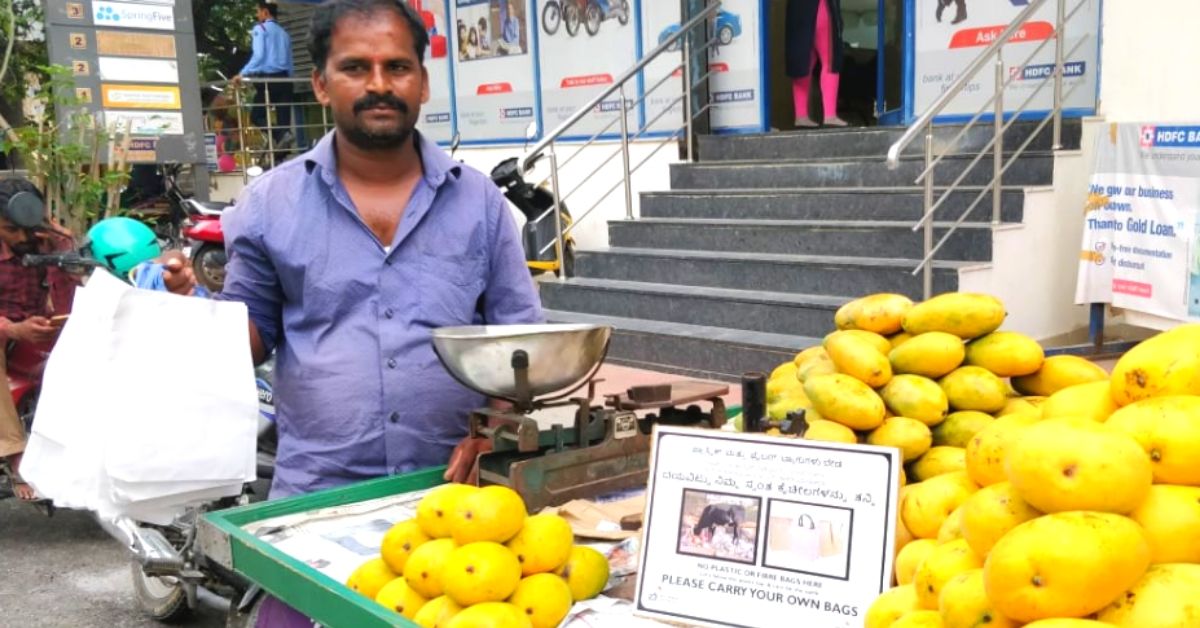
x: 359, y: 392
x: 270, y: 50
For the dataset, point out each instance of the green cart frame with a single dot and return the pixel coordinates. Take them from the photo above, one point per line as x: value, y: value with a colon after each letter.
x: 223, y: 540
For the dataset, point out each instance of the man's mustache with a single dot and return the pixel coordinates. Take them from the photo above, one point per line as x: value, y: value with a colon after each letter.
x: 376, y: 100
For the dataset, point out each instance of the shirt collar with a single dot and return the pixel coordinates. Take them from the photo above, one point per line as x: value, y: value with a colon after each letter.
x: 437, y: 165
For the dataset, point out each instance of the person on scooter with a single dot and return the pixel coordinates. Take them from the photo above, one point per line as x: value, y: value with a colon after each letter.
x: 29, y: 298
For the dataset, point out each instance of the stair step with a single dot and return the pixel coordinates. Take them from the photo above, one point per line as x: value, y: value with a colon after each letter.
x: 693, y: 350
x: 900, y: 203
x: 874, y: 141
x: 894, y: 239
x: 1030, y: 169
x: 801, y: 274
x: 753, y: 310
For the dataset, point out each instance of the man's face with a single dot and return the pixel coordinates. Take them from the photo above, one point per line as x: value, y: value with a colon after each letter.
x: 373, y: 81
x: 263, y: 14
x: 16, y: 238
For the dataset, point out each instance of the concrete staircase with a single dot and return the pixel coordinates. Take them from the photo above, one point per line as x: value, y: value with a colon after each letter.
x: 744, y: 261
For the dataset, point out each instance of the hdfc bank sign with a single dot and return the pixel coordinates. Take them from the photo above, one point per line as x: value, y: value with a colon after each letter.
x: 128, y: 15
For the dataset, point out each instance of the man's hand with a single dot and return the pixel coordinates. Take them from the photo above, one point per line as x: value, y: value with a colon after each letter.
x: 37, y: 329
x: 464, y: 467
x: 177, y: 273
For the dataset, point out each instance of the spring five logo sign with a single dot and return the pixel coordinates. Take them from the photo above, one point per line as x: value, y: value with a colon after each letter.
x: 127, y: 15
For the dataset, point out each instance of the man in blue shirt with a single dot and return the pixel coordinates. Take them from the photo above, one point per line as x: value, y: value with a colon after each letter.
x: 270, y: 57
x: 347, y: 258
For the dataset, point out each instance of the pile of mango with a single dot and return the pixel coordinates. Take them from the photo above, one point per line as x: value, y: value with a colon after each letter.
x: 474, y: 558
x: 1044, y: 492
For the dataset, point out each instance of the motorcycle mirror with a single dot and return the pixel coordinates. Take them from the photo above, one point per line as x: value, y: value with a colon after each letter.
x: 254, y: 171
x: 531, y: 131
x: 454, y: 142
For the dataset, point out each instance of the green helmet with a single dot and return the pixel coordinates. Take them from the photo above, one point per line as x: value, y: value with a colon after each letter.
x: 122, y: 243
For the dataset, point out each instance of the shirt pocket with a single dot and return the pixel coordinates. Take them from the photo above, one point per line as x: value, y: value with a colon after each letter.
x: 449, y: 289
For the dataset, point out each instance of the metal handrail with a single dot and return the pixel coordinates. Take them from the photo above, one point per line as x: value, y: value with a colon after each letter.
x: 992, y: 54
x: 925, y: 119
x: 528, y: 161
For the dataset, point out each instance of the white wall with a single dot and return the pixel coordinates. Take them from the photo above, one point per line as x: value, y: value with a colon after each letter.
x: 1148, y: 61
x: 1034, y: 263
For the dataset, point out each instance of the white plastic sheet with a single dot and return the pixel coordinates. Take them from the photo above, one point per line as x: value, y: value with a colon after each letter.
x: 148, y: 404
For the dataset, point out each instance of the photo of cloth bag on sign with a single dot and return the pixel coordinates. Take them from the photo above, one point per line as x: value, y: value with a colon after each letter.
x: 830, y: 541
x: 805, y: 538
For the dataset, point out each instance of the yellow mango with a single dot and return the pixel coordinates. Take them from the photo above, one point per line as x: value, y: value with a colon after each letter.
x: 964, y: 604
x: 986, y: 451
x: 878, y: 313
x: 829, y: 431
x: 1067, y: 622
x: 1168, y: 429
x: 939, y: 461
x: 787, y: 370
x: 1170, y: 515
x: 855, y: 356
x: 1022, y: 404
x: 990, y: 513
x: 974, y: 388
x: 1167, y: 596
x: 1059, y: 372
x: 959, y: 427
x: 1061, y: 464
x: 916, y: 397
x: 819, y: 364
x: 890, y: 606
x: 910, y: 436
x: 927, y: 505
x: 1167, y: 364
x: 911, y: 557
x: 1067, y: 564
x: 898, y: 339
x: 1006, y: 353
x: 932, y: 355
x: 951, y: 529
x: 807, y: 355
x: 1092, y: 400
x: 966, y: 315
x: 920, y: 619
x: 842, y: 398
x: 881, y: 344
x: 940, y: 567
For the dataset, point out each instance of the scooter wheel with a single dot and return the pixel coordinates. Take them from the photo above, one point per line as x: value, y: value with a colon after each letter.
x: 209, y: 266
x: 163, y: 599
x: 623, y: 14
x: 592, y: 19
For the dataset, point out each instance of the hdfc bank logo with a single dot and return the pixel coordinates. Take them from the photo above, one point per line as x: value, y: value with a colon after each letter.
x: 1148, y: 136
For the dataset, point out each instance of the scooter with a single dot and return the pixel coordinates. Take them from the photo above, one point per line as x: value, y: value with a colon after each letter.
x: 537, y: 204
x: 199, y: 224
x: 594, y: 14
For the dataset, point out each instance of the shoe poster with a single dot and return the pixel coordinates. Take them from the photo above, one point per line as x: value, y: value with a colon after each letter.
x: 950, y: 34
x: 436, y: 115
x: 492, y: 43
x: 583, y: 47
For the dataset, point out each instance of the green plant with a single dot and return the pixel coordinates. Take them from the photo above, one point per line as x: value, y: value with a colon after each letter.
x: 64, y: 156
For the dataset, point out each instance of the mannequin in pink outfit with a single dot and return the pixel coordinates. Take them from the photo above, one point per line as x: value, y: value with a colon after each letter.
x: 814, y: 35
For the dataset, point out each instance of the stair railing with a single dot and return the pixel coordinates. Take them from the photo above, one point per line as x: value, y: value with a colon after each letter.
x: 683, y: 40
x: 993, y: 54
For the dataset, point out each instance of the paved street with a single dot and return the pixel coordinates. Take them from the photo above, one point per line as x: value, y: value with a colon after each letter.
x: 65, y: 572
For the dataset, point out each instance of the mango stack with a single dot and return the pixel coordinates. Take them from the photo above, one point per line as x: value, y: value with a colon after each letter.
x: 474, y: 558
x: 1044, y: 492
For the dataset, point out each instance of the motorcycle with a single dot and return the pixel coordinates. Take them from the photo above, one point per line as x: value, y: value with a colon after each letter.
x: 168, y: 566
x: 199, y: 225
